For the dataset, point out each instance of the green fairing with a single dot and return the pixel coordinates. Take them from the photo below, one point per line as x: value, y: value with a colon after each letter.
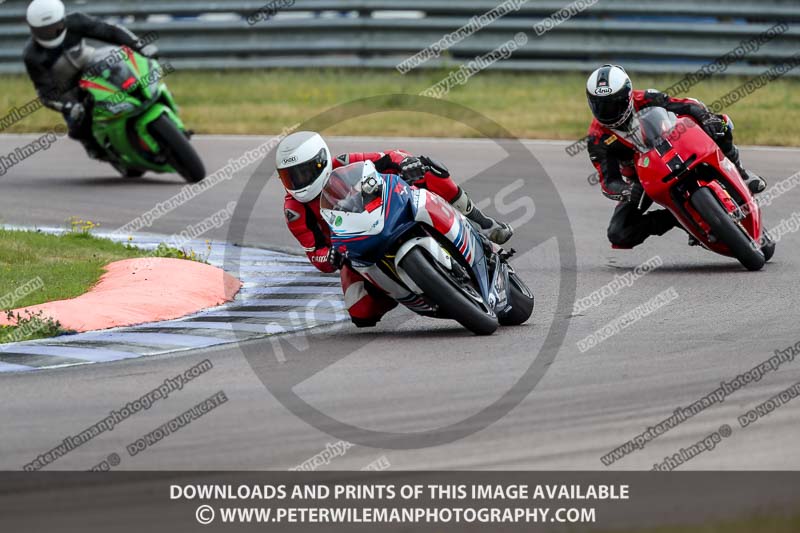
x: 118, y: 111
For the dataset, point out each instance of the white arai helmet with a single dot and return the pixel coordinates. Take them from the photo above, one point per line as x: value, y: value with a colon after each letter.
x: 610, y: 94
x: 47, y: 22
x: 304, y: 163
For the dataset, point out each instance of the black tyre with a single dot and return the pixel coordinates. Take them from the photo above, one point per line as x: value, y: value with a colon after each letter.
x: 769, y: 246
x: 726, y: 230
x: 135, y: 173
x: 182, y: 155
x: 125, y: 171
x: 522, y: 302
x: 468, y: 310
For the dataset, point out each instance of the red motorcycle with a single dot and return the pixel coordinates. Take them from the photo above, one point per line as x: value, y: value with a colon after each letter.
x: 683, y: 169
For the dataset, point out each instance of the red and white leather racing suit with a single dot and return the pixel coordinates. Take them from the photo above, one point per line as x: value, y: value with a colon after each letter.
x: 365, y: 302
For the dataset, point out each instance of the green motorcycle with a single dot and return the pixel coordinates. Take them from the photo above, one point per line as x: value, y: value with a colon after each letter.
x: 134, y: 117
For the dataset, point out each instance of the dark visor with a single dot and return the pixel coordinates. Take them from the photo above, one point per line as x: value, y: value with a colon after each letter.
x: 609, y: 109
x: 49, y: 32
x: 302, y: 175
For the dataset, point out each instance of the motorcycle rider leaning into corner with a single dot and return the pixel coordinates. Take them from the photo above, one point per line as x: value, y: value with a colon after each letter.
x: 613, y: 102
x: 304, y: 164
x: 54, y: 35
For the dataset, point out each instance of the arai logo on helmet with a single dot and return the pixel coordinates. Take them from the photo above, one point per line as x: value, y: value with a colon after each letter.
x: 603, y: 90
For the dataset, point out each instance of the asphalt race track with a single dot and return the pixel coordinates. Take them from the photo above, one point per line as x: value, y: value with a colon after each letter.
x: 415, y: 375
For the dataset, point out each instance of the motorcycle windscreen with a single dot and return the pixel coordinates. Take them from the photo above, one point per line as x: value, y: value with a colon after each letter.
x: 352, y: 204
x: 348, y: 190
x: 109, y: 63
x: 654, y: 125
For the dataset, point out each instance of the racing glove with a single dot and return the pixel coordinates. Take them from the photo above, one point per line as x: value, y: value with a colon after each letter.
x: 335, y: 258
x: 434, y: 167
x: 633, y: 193
x: 150, y: 51
x: 412, y: 169
x: 714, y: 126
x: 75, y: 113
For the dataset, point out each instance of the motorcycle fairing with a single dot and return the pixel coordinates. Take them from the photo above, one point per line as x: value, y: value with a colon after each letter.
x: 432, y: 210
x: 687, y: 159
x: 128, y: 87
x: 369, y: 238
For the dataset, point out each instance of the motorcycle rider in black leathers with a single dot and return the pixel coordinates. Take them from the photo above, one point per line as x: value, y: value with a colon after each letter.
x: 613, y: 102
x: 55, y: 55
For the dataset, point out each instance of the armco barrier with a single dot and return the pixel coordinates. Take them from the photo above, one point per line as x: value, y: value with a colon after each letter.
x: 647, y: 35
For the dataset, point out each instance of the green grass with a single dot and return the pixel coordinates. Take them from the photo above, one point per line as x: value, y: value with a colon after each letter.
x: 68, y: 265
x: 530, y: 105
x: 30, y: 327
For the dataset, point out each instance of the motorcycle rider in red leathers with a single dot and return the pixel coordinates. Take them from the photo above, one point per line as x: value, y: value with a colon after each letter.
x: 304, y: 163
x: 613, y: 102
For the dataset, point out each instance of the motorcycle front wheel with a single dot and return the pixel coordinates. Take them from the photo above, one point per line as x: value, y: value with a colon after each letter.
x: 182, y: 155
x: 458, y: 301
x: 725, y: 229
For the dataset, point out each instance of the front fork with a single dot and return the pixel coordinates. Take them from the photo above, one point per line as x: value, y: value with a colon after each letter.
x: 499, y: 286
x: 150, y: 116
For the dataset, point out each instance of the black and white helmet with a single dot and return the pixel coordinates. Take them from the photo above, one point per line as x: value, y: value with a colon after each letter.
x: 610, y: 94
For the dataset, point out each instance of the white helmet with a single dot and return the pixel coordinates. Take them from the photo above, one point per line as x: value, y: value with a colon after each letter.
x: 610, y: 94
x: 304, y: 163
x: 47, y: 21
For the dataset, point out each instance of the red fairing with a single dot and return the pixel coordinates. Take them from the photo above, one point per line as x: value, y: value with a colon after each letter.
x: 442, y: 215
x: 689, y: 141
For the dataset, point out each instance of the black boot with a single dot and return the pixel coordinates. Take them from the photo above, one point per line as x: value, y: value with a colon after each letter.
x: 755, y: 183
x: 93, y: 149
x: 497, y: 232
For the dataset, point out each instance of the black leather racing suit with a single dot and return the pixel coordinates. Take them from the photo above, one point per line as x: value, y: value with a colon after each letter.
x: 55, y: 72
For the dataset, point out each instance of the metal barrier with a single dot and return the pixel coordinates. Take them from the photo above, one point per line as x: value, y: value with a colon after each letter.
x: 650, y: 36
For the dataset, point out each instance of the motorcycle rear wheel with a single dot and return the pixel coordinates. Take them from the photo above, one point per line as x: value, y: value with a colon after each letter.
x: 443, y: 290
x: 769, y: 248
x: 522, y: 302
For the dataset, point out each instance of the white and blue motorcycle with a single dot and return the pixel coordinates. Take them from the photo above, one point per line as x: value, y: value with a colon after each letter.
x: 414, y: 246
